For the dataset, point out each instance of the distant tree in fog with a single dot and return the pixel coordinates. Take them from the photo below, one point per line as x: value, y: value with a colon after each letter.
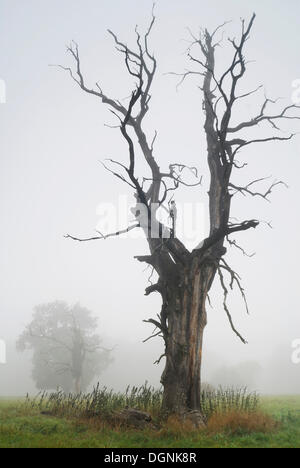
x: 67, y: 351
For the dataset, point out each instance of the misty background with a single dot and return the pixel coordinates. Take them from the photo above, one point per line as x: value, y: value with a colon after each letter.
x: 52, y: 183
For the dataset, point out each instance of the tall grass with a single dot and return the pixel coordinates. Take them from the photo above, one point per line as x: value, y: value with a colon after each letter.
x: 99, y: 402
x: 103, y: 403
x: 227, y: 400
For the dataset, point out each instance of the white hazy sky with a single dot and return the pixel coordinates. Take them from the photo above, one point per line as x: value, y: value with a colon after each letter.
x: 53, y: 137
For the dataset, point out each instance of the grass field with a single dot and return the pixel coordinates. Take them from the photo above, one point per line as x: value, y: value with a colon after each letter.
x: 22, y: 427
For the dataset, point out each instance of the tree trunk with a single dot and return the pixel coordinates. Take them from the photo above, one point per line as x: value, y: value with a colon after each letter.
x: 185, y: 309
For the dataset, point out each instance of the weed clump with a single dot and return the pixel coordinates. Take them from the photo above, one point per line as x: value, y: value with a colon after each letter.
x: 227, y: 400
x: 241, y: 422
x: 105, y: 405
x: 101, y: 402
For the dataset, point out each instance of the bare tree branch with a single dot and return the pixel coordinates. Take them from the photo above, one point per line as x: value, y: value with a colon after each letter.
x: 246, y: 189
x: 103, y: 236
x: 235, y: 278
x: 225, y: 290
x: 233, y: 243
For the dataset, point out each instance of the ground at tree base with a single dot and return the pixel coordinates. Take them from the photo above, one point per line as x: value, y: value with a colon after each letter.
x: 33, y: 430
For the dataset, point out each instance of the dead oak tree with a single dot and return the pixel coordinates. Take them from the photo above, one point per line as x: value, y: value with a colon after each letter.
x: 185, y: 278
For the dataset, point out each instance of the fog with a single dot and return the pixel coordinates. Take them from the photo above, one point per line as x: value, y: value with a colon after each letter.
x: 52, y: 139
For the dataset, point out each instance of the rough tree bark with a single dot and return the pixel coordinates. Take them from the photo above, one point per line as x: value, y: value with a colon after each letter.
x: 184, y: 277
